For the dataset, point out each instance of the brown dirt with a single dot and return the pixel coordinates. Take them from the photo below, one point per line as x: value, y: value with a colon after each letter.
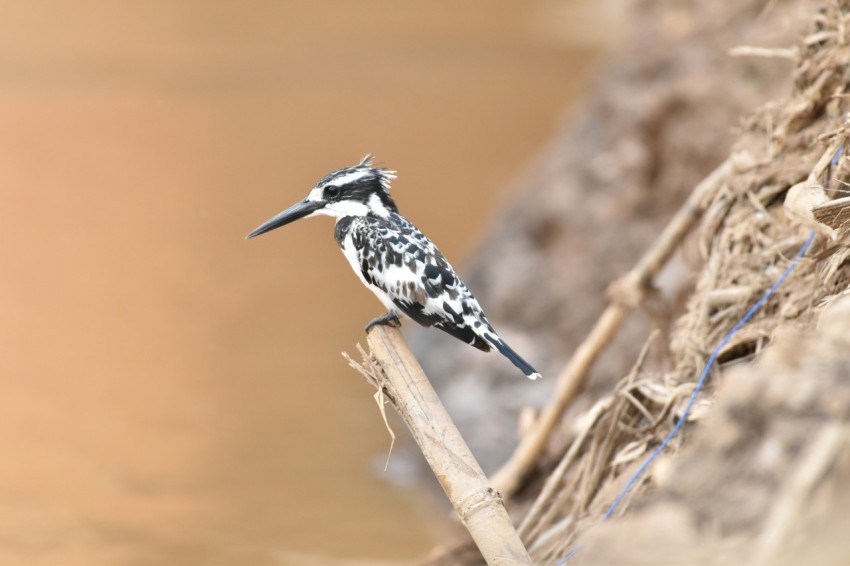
x: 598, y: 195
x: 762, y: 473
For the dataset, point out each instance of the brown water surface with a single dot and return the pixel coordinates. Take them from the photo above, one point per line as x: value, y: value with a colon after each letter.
x: 174, y: 394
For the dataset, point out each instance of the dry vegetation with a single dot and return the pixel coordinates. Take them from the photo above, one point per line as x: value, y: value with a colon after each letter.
x: 760, y: 472
x: 754, y: 470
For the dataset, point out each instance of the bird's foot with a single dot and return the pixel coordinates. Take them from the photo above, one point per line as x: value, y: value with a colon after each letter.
x: 390, y: 319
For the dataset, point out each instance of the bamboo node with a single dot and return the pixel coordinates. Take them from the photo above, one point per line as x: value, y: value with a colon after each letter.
x: 476, y: 500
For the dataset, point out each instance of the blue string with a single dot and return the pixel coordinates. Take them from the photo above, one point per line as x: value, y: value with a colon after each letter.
x: 832, y: 164
x: 703, y: 378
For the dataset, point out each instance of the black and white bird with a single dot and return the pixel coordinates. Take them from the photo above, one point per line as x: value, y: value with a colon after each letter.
x: 394, y: 259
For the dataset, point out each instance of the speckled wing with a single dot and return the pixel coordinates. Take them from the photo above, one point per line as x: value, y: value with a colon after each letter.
x: 402, y: 262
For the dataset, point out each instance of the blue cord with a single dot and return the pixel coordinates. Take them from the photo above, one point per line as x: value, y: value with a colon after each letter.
x: 703, y: 378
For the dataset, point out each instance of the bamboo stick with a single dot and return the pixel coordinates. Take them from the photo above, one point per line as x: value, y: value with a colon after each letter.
x: 395, y: 372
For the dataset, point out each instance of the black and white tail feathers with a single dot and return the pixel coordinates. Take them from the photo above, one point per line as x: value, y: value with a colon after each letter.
x: 515, y: 358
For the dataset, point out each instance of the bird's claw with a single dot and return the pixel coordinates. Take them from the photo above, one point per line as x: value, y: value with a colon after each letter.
x: 389, y: 319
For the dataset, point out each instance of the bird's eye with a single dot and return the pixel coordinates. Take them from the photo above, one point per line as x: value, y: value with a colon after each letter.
x: 331, y: 191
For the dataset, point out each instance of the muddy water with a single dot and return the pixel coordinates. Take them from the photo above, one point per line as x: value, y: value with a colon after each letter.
x: 174, y: 394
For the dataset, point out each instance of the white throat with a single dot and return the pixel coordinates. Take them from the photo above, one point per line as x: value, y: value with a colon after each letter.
x: 344, y: 208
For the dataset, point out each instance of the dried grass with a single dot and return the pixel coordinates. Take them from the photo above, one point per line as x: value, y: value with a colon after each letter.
x: 746, y: 239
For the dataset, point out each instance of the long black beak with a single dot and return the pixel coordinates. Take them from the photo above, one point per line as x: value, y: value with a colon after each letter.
x: 291, y: 214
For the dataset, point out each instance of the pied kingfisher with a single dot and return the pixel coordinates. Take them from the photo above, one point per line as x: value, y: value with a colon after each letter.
x: 394, y: 259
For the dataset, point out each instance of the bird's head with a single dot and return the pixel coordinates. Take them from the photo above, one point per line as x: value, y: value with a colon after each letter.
x: 352, y: 191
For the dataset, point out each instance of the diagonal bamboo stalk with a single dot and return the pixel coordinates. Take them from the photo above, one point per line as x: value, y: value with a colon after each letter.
x: 393, y: 369
x: 626, y: 295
